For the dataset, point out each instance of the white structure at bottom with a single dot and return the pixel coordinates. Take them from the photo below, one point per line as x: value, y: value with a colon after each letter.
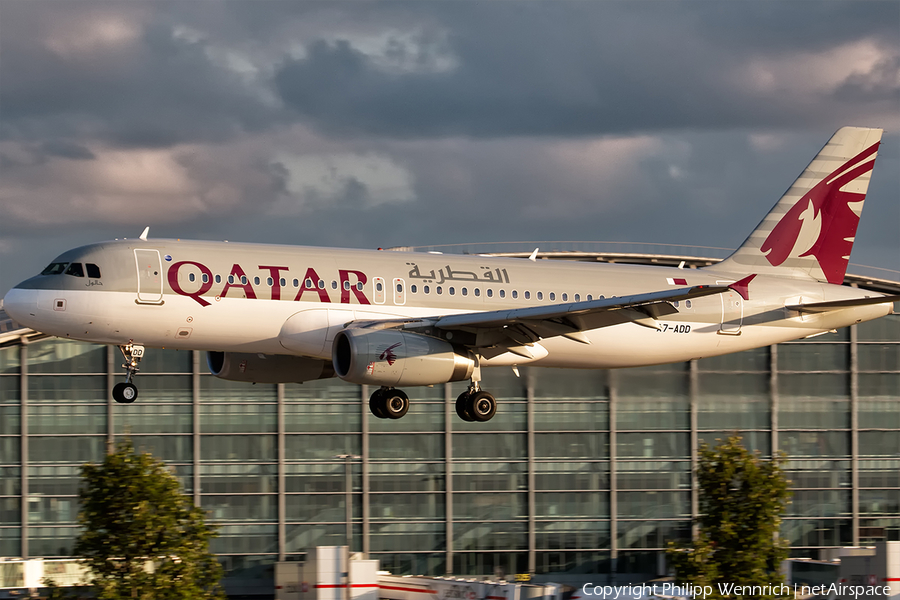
x: 331, y: 573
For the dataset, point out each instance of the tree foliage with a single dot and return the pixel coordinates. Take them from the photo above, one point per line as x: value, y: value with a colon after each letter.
x: 742, y: 500
x: 142, y: 538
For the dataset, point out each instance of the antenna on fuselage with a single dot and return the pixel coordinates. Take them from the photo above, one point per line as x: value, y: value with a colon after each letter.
x: 144, y: 234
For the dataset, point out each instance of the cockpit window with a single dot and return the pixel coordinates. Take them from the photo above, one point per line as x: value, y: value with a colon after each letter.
x: 93, y: 271
x: 75, y: 269
x: 54, y: 268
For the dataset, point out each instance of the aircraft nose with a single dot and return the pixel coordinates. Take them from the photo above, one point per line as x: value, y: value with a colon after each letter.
x: 20, y: 304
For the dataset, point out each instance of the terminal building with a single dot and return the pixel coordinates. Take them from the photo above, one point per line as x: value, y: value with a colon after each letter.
x: 579, y: 473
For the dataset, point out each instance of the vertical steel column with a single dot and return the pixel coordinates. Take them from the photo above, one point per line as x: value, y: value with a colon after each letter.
x: 110, y: 403
x: 613, y: 484
x: 532, y: 509
x: 366, y: 486
x: 773, y: 397
x: 348, y: 503
x: 694, y: 390
x: 854, y: 431
x: 282, y: 508
x: 448, y: 472
x: 23, y: 425
x: 195, y: 403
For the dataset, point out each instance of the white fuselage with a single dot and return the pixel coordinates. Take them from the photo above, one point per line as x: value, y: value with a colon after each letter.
x: 268, y: 299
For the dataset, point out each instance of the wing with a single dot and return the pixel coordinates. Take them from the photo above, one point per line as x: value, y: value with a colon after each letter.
x: 513, y: 330
x: 820, y: 307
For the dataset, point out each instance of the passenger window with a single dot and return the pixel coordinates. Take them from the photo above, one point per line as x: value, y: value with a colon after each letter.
x: 334, y: 285
x: 577, y: 297
x: 439, y: 290
x: 515, y: 294
x: 452, y: 291
x: 191, y: 277
x: 93, y: 271
x: 465, y: 291
x: 540, y: 295
x: 490, y: 293
x: 552, y: 296
x: 477, y: 291
x: 346, y: 285
x: 527, y: 295
x: 270, y: 282
x: 590, y: 297
x: 378, y: 287
x: 565, y: 297
x: 75, y: 269
x: 503, y: 293
x: 426, y: 289
x: 243, y: 280
x: 218, y: 279
x: 283, y: 282
x: 413, y: 288
x: 204, y: 277
x: 54, y: 269
x: 309, y: 283
x: 321, y: 284
x: 255, y: 280
x: 359, y: 285
x: 687, y: 303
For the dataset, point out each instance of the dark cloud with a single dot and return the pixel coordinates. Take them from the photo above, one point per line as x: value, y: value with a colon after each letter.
x: 66, y: 149
x: 118, y: 75
x: 591, y: 68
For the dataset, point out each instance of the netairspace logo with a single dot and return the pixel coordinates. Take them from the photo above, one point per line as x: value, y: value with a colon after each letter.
x: 613, y: 592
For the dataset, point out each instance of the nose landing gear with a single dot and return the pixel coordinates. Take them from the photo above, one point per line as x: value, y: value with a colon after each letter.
x: 126, y: 392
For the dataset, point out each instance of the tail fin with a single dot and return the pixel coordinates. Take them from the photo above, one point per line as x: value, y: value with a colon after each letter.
x: 810, y: 231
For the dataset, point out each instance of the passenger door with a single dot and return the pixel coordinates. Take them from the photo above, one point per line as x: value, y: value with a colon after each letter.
x: 149, y: 276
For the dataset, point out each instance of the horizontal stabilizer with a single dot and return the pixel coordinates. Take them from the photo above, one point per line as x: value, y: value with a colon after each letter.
x: 820, y: 307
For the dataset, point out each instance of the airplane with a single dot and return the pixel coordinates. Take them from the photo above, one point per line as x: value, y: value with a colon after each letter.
x: 271, y: 314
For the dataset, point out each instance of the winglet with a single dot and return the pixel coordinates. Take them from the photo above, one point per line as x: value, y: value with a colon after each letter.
x: 145, y: 233
x: 741, y: 287
x: 533, y: 257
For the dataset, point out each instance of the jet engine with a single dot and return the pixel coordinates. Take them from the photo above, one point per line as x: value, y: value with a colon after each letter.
x: 391, y: 358
x: 267, y: 368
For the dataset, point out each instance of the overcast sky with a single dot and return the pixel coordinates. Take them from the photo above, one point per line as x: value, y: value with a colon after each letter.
x: 367, y: 124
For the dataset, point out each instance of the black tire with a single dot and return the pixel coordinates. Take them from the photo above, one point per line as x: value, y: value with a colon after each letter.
x: 481, y: 406
x: 462, y: 402
x: 396, y: 403
x: 125, y: 393
x: 376, y: 403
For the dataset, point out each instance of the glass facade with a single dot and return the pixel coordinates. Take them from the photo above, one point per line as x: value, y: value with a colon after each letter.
x: 579, y: 472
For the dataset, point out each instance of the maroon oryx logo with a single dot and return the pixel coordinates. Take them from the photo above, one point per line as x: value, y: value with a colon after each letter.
x: 389, y: 355
x: 822, y: 223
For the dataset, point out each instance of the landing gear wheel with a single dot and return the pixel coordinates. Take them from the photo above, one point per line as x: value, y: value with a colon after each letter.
x: 125, y: 393
x: 461, y: 402
x: 376, y: 403
x: 481, y: 406
x: 395, y: 404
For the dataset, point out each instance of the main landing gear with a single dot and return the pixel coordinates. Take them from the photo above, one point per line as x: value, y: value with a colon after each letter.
x: 388, y: 403
x: 472, y: 405
x: 126, y: 392
x: 476, y: 405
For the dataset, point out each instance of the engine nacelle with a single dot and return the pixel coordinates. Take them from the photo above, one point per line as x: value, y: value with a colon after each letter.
x: 267, y: 368
x: 391, y: 358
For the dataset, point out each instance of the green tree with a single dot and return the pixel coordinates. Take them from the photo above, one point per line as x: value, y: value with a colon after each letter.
x: 742, y: 500
x: 142, y: 538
